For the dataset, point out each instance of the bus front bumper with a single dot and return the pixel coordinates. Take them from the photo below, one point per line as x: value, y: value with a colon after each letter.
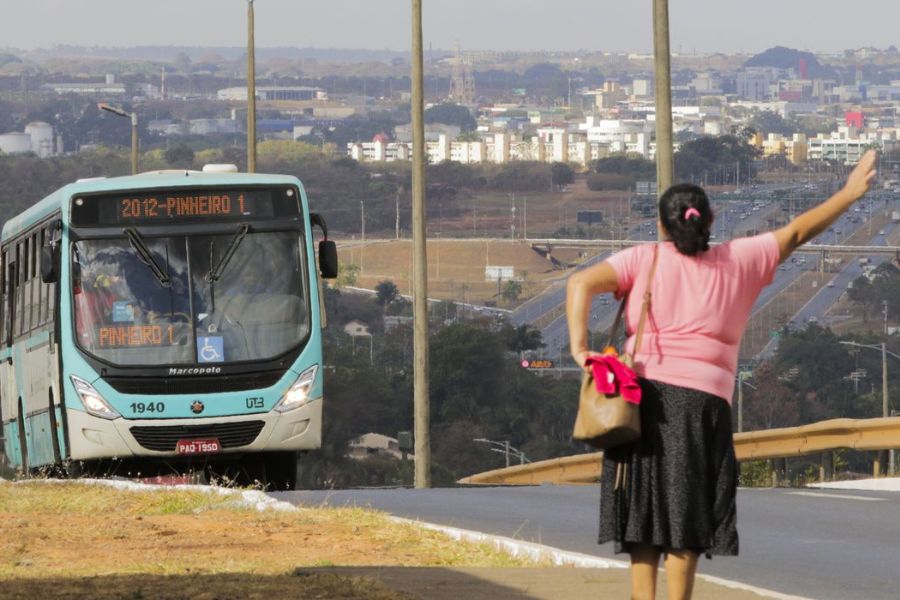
x: 92, y: 437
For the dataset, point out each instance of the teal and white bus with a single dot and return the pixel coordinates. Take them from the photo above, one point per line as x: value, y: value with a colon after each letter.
x: 169, y: 318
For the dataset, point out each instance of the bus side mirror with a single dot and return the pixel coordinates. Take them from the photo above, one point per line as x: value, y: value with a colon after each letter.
x: 49, y: 273
x: 328, y: 259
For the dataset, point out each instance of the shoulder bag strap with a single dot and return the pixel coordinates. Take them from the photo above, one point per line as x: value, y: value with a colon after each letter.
x: 645, y: 307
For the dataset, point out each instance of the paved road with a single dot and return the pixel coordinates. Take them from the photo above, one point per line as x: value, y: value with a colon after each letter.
x: 815, y: 310
x: 818, y: 544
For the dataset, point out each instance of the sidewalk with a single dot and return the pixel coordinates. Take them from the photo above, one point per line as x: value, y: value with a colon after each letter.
x: 552, y: 583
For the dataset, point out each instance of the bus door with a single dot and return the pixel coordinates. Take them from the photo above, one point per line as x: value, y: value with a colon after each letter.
x: 8, y: 388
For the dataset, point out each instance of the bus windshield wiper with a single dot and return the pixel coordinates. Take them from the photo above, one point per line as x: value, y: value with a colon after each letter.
x: 137, y: 242
x: 216, y: 272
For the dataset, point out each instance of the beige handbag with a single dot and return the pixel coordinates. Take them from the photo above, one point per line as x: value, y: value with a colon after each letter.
x: 607, y: 420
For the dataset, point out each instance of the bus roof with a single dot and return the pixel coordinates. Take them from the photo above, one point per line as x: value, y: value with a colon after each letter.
x: 57, y: 200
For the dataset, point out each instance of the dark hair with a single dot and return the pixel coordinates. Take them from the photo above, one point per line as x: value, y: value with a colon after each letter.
x: 688, y: 229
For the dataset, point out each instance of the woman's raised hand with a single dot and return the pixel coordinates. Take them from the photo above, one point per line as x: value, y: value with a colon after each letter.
x: 861, y: 176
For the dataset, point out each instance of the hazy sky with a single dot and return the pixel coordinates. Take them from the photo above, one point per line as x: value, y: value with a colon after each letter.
x: 617, y: 25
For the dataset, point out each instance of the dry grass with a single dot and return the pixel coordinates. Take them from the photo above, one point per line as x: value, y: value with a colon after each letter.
x: 456, y: 269
x: 75, y: 540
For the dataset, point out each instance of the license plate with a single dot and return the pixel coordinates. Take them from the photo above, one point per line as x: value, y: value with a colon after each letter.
x: 205, y: 446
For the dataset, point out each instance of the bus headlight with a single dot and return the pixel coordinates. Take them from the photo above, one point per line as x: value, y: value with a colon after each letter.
x: 92, y: 400
x: 298, y: 394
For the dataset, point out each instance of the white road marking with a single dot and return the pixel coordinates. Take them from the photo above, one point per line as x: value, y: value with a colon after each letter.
x: 840, y: 496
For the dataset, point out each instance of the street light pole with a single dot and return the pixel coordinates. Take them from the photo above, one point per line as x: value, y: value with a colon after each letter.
x: 740, y: 408
x: 421, y: 405
x: 134, y: 131
x: 251, y: 91
x: 885, y: 393
x: 134, y: 143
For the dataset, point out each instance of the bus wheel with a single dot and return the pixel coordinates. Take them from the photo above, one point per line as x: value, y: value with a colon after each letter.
x: 281, y: 471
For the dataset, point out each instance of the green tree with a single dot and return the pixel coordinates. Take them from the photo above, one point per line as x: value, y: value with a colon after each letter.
x: 386, y: 292
x: 451, y: 114
x: 466, y: 372
x: 714, y: 155
x: 347, y: 274
x: 180, y: 156
x: 768, y: 121
x: 511, y: 291
x: 562, y: 173
x: 522, y: 338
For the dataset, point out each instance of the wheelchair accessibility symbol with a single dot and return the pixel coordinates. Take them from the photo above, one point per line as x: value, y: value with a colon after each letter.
x: 210, y: 349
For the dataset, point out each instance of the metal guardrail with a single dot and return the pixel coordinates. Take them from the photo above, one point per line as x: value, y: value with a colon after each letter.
x: 619, y: 244
x: 856, y: 434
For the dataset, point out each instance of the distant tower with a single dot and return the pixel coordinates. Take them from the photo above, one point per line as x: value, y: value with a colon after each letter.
x: 162, y: 83
x: 462, y: 85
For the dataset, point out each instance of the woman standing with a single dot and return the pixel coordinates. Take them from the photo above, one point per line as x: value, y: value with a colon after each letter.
x: 678, y: 495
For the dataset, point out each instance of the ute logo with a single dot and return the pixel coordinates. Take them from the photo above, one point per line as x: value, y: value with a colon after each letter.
x: 197, y: 407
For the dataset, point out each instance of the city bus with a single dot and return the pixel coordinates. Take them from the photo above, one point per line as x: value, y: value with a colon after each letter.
x: 168, y: 318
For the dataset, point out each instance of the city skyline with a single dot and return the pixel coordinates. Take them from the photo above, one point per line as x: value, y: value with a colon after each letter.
x: 503, y: 25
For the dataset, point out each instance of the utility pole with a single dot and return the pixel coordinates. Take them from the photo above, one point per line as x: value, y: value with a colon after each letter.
x: 251, y: 92
x: 525, y: 218
x: 665, y: 164
x: 420, y: 265
x: 885, y: 400
x: 362, y: 232
x: 397, y: 212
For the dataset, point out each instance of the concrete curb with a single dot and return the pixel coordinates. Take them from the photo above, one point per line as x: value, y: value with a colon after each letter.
x: 519, y: 548
x: 560, y: 557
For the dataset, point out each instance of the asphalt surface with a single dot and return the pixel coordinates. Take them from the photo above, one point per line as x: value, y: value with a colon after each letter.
x: 824, y: 544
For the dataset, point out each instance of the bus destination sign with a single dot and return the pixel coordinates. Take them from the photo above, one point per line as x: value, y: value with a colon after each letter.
x: 182, y: 205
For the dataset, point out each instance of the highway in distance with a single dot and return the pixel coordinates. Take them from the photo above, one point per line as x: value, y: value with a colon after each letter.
x: 828, y: 544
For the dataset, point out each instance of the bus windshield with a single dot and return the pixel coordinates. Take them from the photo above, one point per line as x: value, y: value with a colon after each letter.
x: 190, y: 300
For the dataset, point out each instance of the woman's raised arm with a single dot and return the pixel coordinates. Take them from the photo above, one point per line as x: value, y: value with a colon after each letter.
x: 580, y: 291
x: 817, y: 219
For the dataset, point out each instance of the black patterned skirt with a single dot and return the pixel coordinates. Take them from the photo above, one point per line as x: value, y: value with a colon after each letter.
x: 675, y: 487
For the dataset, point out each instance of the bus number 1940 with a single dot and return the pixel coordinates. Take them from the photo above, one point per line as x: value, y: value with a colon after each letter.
x: 147, y: 407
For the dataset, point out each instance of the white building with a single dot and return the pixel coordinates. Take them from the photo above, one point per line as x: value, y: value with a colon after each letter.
x: 374, y: 444
x: 207, y: 126
x: 642, y: 87
x: 302, y: 93
x: 847, y: 146
x: 38, y: 137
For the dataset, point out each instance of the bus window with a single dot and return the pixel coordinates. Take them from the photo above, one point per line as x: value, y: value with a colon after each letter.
x: 20, y: 285
x: 35, y: 286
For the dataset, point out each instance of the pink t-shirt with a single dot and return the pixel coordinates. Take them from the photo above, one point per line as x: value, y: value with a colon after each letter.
x: 699, y: 309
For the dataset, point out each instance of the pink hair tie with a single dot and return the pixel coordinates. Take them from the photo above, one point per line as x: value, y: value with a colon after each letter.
x: 691, y: 212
